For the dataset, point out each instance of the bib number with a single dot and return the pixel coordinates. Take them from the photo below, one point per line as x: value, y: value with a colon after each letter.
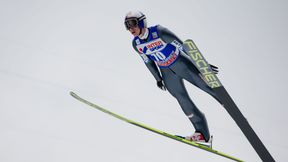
x: 159, y: 56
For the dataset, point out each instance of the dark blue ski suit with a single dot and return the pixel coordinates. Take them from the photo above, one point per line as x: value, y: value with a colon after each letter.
x: 162, y: 53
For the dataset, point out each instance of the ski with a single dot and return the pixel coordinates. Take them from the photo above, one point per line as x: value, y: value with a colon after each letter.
x: 174, y: 137
x: 212, y: 80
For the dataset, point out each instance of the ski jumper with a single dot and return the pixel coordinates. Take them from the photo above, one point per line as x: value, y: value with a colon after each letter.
x: 163, y: 49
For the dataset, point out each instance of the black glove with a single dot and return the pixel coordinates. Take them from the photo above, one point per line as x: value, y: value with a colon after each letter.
x: 214, y: 68
x: 161, y: 85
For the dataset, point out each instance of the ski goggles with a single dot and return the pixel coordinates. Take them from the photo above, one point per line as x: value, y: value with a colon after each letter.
x: 131, y: 23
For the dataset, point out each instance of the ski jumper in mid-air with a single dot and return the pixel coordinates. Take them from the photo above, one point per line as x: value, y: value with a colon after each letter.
x: 162, y: 53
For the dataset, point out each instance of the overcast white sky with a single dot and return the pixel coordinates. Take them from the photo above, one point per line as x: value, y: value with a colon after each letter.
x: 48, y: 48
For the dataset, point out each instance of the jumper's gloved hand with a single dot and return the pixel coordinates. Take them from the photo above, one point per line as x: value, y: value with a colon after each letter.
x: 161, y: 85
x: 214, y: 68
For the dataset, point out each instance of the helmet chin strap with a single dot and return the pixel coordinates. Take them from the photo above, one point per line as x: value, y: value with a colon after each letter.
x: 140, y: 31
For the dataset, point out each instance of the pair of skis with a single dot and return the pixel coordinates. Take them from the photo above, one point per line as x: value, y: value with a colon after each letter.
x: 175, y: 137
x: 212, y: 80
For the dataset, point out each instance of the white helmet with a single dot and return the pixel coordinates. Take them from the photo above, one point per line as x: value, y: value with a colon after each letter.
x: 135, y: 18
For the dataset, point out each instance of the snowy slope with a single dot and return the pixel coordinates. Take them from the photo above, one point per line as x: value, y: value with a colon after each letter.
x: 48, y: 48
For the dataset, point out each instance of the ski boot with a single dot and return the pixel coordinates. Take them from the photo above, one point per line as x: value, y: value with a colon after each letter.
x: 198, y: 137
